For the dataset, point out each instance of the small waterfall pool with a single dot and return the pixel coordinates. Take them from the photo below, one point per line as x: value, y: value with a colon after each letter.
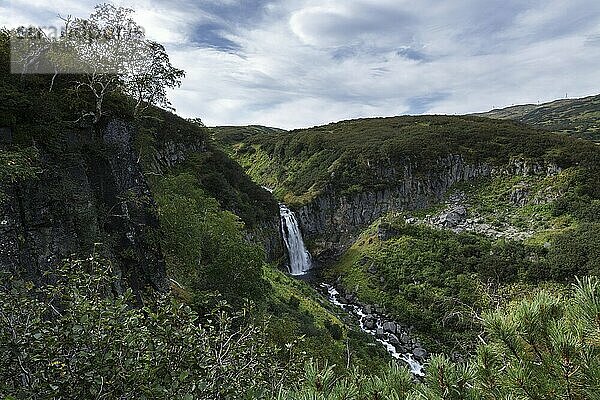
x: 299, y: 257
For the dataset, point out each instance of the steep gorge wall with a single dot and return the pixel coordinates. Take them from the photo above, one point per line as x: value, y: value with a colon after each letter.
x: 91, y: 199
x: 332, y: 221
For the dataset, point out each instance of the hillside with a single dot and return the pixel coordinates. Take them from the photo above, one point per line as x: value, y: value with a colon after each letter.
x: 143, y: 255
x: 343, y: 176
x: 154, y: 212
x: 436, y: 218
x: 577, y: 117
x: 360, y: 155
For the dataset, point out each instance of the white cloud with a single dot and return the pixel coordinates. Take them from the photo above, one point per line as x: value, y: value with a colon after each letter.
x: 298, y: 63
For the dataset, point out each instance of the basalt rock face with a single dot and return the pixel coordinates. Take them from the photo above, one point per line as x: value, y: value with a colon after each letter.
x: 332, y: 221
x: 268, y: 235
x: 91, y: 199
x: 133, y: 220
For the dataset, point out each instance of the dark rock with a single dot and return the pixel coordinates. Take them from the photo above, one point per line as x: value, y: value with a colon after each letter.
x: 453, y: 217
x: 385, y: 231
x: 379, y: 333
x: 57, y: 216
x: 519, y: 195
x: 368, y: 309
x: 419, y: 353
x: 389, y: 327
x: 402, y: 349
x: 393, y: 339
x: 369, y: 324
x: 6, y: 136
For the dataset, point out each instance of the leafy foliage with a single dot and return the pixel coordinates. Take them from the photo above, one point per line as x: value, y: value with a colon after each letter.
x: 204, y: 245
x: 543, y: 347
x: 108, y: 52
x: 74, y: 337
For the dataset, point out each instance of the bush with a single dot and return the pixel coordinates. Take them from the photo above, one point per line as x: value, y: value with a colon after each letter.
x: 75, y: 339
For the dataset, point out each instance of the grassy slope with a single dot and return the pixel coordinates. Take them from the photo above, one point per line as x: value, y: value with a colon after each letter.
x: 350, y: 156
x: 213, y: 183
x: 439, y: 281
x: 578, y: 117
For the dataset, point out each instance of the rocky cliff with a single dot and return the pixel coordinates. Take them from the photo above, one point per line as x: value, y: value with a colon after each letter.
x: 332, y: 221
x: 91, y: 194
x: 92, y: 198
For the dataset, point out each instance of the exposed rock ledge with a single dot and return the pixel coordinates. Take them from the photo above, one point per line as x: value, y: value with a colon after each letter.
x: 332, y: 221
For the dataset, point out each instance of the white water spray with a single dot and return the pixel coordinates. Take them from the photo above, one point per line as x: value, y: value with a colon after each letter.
x: 300, y: 261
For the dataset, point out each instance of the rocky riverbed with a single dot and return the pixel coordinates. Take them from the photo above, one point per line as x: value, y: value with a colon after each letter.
x: 395, y: 337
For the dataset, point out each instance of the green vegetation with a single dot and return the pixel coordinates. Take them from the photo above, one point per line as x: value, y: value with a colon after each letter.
x: 368, y: 154
x: 234, y: 326
x: 18, y: 165
x: 438, y: 281
x: 209, y: 258
x: 204, y: 245
x: 546, y: 346
x: 75, y: 337
x: 577, y: 117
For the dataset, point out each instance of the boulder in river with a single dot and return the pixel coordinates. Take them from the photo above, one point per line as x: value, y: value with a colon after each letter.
x: 389, y: 327
x: 419, y: 353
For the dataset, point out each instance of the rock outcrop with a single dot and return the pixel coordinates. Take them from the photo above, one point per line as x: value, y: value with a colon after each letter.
x: 93, y: 197
x: 332, y: 220
x: 93, y: 200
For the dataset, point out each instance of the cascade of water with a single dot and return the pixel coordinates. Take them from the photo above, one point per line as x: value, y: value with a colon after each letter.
x: 300, y: 261
x: 415, y: 367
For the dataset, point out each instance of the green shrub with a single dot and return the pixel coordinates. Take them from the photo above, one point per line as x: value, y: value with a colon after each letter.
x: 73, y: 338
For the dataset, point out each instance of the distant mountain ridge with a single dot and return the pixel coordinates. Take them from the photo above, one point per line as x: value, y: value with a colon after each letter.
x: 577, y: 117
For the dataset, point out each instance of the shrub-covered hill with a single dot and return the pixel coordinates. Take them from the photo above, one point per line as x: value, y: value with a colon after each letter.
x: 495, y: 210
x: 370, y: 154
x: 577, y: 117
x: 165, y: 209
x: 67, y: 183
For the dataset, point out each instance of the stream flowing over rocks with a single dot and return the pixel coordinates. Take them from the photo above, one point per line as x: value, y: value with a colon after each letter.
x: 392, y: 335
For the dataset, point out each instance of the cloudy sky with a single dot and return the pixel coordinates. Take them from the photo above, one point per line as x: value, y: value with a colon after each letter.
x: 298, y: 63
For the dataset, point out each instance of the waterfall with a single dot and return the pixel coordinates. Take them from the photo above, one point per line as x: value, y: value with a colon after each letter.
x: 300, y: 261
